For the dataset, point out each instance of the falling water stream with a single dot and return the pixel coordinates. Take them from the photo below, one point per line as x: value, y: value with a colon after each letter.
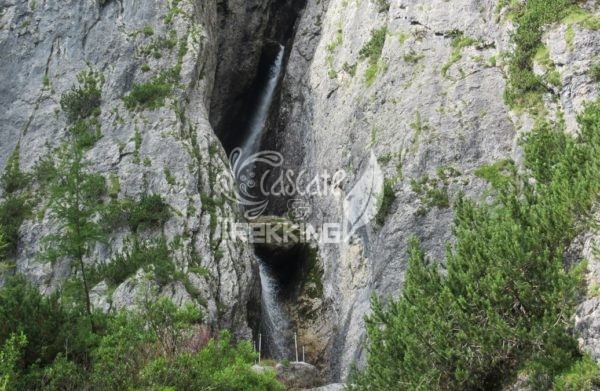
x: 274, y: 322
x: 274, y: 325
x: 259, y: 118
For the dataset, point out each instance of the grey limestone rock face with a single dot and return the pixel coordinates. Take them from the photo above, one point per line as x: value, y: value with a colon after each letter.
x: 429, y: 112
x: 170, y: 150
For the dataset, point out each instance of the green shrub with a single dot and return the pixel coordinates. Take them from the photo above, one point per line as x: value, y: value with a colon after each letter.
x: 583, y: 375
x: 114, y: 187
x: 170, y: 324
x: 83, y: 100
x: 45, y: 344
x: 10, y: 353
x: 13, y: 179
x: 150, y: 95
x: 350, y: 69
x: 15, y: 208
x: 131, y: 341
x: 13, y: 211
x: 220, y: 365
x: 85, y: 133
x: 502, y: 302
x: 3, y: 245
x: 433, y: 192
x: 63, y: 375
x: 387, y: 200
x: 382, y: 5
x: 499, y: 175
x: 160, y: 44
x: 595, y: 72
x: 122, y: 352
x: 49, y: 327
x: 44, y: 171
x: 374, y: 46
x: 313, y: 281
x: 140, y: 254
x: 150, y: 210
x: 147, y: 31
x: 372, y: 51
x: 524, y: 87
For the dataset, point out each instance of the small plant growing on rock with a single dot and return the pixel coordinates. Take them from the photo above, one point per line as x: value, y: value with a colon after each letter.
x: 412, y: 57
x: 44, y: 171
x: 15, y: 208
x: 85, y: 132
x: 3, y: 244
x: 13, y: 211
x: 459, y: 41
x: 13, y: 178
x: 148, y: 31
x: 382, y: 5
x: 138, y: 255
x: 595, y: 72
x: 150, y: 95
x: 83, y: 100
x: 372, y: 51
x: 387, y: 200
x: 374, y: 46
x: 150, y: 210
x: 349, y: 69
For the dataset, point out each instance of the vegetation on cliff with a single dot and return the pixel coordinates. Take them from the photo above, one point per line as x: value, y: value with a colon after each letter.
x: 47, y: 344
x: 504, y: 301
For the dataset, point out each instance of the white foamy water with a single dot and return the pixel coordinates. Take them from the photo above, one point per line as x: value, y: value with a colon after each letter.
x: 274, y: 321
x: 259, y: 118
x: 275, y: 325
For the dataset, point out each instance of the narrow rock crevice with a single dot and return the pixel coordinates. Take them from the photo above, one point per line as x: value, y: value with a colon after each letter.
x: 288, y: 281
x: 289, y: 298
x: 250, y: 35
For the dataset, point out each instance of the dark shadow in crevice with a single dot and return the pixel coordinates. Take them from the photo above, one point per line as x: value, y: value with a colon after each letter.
x: 230, y: 114
x: 288, y: 266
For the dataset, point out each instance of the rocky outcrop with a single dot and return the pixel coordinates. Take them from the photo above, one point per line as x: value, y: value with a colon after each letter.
x: 362, y: 77
x: 242, y: 26
x: 329, y: 387
x: 587, y: 317
x: 431, y: 111
x: 297, y: 375
x: 169, y: 149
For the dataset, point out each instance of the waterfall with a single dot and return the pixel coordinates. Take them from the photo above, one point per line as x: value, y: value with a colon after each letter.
x: 259, y: 118
x: 275, y: 324
x: 274, y: 321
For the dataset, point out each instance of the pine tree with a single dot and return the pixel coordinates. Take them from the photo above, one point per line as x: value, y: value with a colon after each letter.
x: 506, y: 297
x: 13, y: 179
x: 75, y: 203
x: 3, y: 244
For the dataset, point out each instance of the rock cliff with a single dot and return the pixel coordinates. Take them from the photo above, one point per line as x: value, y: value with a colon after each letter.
x: 169, y: 149
x: 419, y: 84
x: 430, y: 106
